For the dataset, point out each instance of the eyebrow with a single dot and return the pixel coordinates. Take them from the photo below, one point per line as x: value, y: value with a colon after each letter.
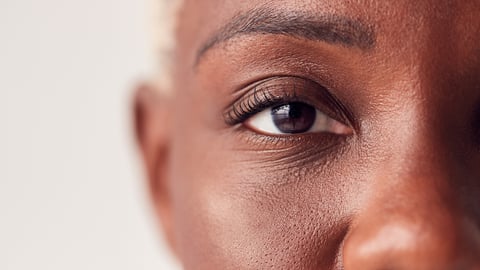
x: 328, y: 28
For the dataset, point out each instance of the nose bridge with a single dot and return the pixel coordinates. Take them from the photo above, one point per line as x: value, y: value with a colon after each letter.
x: 416, y: 192
x: 425, y: 159
x: 417, y: 223
x: 414, y: 216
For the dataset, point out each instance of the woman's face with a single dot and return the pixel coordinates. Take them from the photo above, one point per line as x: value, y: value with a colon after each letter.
x: 320, y: 135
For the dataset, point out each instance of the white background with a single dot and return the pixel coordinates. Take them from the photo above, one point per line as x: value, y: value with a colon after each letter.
x: 71, y: 189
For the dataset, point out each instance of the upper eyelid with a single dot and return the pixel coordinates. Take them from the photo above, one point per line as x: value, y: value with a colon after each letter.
x: 277, y: 89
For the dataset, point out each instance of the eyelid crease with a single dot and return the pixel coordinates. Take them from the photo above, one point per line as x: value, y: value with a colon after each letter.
x: 285, y: 89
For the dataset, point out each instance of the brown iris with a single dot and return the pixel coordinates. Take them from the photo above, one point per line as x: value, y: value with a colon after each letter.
x: 295, y: 117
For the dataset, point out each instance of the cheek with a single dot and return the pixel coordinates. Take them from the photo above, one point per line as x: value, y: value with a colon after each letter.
x: 236, y: 207
x: 244, y: 214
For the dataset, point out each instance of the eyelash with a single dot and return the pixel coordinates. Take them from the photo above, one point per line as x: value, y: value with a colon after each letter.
x: 279, y: 93
x: 261, y: 99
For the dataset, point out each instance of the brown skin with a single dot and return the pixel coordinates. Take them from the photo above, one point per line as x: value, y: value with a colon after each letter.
x: 401, y: 191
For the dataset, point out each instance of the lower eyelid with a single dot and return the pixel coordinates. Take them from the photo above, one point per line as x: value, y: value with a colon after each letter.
x: 306, y: 147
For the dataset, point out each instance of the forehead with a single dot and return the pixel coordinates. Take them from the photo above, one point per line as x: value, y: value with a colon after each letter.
x: 373, y: 10
x: 398, y: 24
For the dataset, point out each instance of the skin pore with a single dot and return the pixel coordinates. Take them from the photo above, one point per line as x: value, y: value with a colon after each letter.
x: 319, y: 135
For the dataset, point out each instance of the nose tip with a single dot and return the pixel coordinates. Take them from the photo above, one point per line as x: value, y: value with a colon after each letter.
x: 421, y: 245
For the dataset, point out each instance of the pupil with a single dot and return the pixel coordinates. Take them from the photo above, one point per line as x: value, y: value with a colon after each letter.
x: 295, y: 117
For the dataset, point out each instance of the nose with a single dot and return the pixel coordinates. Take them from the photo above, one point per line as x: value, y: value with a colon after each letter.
x: 416, y: 223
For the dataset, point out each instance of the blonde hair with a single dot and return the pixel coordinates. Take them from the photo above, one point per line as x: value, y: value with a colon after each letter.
x: 165, y: 20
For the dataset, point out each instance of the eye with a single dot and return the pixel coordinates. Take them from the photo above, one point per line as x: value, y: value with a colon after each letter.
x: 294, y: 118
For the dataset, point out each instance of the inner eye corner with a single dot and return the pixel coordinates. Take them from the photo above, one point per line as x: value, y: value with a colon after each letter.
x: 350, y: 121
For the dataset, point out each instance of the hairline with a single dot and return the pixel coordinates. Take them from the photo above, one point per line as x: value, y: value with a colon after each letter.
x: 165, y: 26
